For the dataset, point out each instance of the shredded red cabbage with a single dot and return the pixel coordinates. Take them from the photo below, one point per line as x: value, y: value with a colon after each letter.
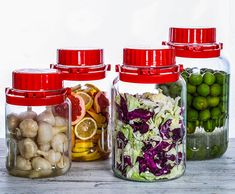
x: 121, y: 140
x: 142, y: 127
x: 155, y: 155
x: 125, y: 116
x: 142, y: 114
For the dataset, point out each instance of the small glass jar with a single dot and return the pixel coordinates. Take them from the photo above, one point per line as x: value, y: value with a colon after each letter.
x: 38, y: 123
x: 207, y: 77
x: 84, y: 72
x: 148, y: 117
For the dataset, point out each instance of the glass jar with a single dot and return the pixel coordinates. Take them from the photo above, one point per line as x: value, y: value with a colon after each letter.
x: 84, y: 72
x: 207, y: 77
x: 148, y: 116
x: 37, y: 124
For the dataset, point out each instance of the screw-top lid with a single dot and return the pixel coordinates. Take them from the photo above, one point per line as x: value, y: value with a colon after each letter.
x: 81, y: 65
x: 149, y: 66
x: 194, y: 42
x: 192, y: 35
x: 36, y: 87
x: 86, y: 57
x: 149, y: 57
x: 36, y: 79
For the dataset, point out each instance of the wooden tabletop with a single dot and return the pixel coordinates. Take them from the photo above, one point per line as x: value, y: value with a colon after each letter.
x: 209, y: 177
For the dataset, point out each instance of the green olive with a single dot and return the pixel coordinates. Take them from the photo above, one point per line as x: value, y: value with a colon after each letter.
x: 195, y: 79
x: 192, y: 115
x: 209, y: 78
x: 191, y: 127
x: 200, y: 103
x: 204, y: 115
x: 209, y: 126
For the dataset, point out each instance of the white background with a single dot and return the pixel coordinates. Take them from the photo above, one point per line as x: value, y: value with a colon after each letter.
x: 32, y: 30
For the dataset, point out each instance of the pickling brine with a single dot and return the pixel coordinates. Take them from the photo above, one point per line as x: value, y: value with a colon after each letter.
x: 37, y: 130
x: 207, y: 77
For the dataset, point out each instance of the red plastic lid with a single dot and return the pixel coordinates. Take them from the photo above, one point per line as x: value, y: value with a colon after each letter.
x: 81, y: 65
x: 194, y: 42
x: 36, y: 79
x: 149, y: 66
x: 192, y: 35
x: 86, y: 57
x: 36, y: 87
x: 149, y: 57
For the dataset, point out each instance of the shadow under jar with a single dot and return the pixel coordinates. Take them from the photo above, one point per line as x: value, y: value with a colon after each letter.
x: 207, y: 76
x: 148, y: 117
x: 37, y: 129
x: 84, y: 72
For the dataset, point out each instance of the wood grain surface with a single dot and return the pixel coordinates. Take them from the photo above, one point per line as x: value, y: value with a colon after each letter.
x: 210, y: 177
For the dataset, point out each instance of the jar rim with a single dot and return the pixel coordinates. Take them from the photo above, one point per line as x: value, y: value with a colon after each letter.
x: 36, y: 98
x: 149, y: 75
x: 82, y: 73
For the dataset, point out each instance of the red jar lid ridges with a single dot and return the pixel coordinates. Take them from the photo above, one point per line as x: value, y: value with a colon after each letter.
x: 36, y: 79
x: 149, y: 57
x: 194, y: 42
x: 192, y: 35
x: 149, y: 66
x: 83, y: 57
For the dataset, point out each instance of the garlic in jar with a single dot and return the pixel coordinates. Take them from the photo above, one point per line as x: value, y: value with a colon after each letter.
x: 45, y: 147
x: 23, y: 164
x: 60, y: 142
x: 28, y: 128
x: 60, y: 121
x: 12, y: 121
x: 52, y: 156
x: 29, y: 114
x: 40, y: 163
x: 45, y: 134
x: 31, y: 124
x: 27, y: 148
x: 47, y: 116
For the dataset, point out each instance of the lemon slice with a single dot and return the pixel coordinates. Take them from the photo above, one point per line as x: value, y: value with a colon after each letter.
x: 87, y: 99
x: 80, y: 150
x: 92, y: 156
x: 79, y: 154
x: 99, y: 118
x: 73, y: 137
x: 85, y: 129
x: 91, y: 89
x: 84, y: 144
x: 92, y: 86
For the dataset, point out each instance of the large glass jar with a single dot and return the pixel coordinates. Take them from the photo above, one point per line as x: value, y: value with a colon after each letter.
x: 84, y: 72
x: 37, y: 124
x: 148, y: 116
x: 207, y: 77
